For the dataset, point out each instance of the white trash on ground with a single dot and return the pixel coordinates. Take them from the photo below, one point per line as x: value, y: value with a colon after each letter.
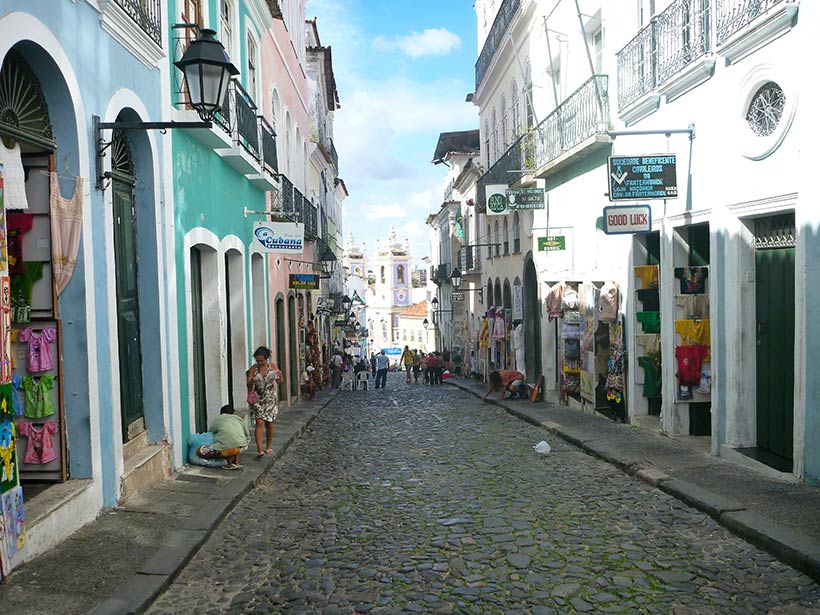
x: 542, y: 447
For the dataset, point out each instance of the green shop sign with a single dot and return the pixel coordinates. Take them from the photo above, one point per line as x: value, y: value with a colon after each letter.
x: 552, y: 243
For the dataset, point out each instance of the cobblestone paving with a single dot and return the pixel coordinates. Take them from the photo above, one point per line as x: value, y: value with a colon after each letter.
x: 423, y: 500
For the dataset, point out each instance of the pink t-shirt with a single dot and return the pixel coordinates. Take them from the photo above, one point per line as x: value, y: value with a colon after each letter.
x: 38, y: 357
x: 40, y: 447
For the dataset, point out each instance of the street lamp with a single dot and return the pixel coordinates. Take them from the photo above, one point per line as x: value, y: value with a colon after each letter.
x: 347, y: 303
x: 329, y: 261
x: 208, y: 72
x: 455, y: 279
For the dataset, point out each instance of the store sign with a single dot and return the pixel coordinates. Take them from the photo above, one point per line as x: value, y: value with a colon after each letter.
x: 552, y: 243
x: 393, y: 352
x: 629, y: 219
x: 279, y: 237
x: 303, y: 281
x: 496, y: 196
x: 642, y: 178
x: 518, y: 303
x: 525, y: 198
x: 458, y: 296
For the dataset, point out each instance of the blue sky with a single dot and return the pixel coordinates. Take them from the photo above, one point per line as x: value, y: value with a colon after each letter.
x: 403, y: 69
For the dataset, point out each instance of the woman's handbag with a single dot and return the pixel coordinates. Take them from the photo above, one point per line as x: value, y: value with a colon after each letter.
x: 253, y: 397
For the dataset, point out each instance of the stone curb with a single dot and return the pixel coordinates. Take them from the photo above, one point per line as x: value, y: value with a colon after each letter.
x: 787, y: 545
x: 139, y: 591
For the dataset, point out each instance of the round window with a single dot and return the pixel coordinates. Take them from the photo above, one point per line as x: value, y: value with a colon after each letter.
x: 766, y: 109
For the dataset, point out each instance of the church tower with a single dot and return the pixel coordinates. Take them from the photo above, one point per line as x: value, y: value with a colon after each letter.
x: 392, y: 271
x: 355, y: 259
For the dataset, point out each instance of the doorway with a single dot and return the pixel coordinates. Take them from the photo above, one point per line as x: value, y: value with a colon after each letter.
x: 294, y: 350
x: 281, y: 356
x: 198, y: 341
x: 532, y: 321
x: 132, y: 407
x: 775, y: 314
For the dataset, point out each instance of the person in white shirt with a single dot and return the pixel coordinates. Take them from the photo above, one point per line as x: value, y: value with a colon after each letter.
x: 336, y: 364
x: 382, y: 365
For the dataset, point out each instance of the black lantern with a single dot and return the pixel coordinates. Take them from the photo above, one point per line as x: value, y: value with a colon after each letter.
x: 329, y: 261
x: 347, y: 302
x: 208, y: 71
x: 455, y: 278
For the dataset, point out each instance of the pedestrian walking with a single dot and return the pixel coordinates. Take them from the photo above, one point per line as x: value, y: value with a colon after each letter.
x: 406, y: 362
x: 336, y: 366
x: 263, y: 398
x: 438, y: 368
x: 382, y: 364
x: 425, y: 367
x: 416, y: 366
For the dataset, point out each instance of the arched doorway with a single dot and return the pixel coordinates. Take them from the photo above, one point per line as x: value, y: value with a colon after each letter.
x: 532, y: 321
x: 293, y: 318
x: 235, y: 337
x: 281, y: 351
x: 129, y: 335
x: 498, y: 298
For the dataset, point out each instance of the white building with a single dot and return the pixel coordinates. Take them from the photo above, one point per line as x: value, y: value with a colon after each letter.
x: 390, y: 293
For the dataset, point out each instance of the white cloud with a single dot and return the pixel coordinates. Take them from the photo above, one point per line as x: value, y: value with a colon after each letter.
x: 431, y: 42
x: 389, y: 210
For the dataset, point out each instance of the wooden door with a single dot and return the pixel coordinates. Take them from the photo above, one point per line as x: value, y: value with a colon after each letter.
x: 198, y: 343
x: 128, y: 313
x: 775, y: 350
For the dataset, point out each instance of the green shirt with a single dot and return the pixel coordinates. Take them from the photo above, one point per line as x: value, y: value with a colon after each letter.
x: 651, y: 375
x: 230, y: 431
x: 651, y: 321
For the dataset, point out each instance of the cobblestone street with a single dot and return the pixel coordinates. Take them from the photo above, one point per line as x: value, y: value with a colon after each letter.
x: 422, y: 499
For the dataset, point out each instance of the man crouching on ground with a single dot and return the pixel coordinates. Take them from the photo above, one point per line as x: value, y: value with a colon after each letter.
x: 507, y: 380
x: 231, y: 437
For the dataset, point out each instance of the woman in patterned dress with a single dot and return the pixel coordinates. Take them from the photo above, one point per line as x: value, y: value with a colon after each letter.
x: 263, y: 397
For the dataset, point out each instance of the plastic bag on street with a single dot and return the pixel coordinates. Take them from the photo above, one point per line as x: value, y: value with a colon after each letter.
x: 542, y: 447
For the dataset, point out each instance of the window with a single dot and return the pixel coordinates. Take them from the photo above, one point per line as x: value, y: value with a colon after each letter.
x: 489, y: 241
x: 487, y: 141
x: 766, y: 109
x: 497, y: 242
x: 515, y: 111
x: 382, y: 276
x: 191, y: 13
x: 412, y: 335
x: 528, y: 94
x: 504, y: 141
x: 252, y: 67
x: 597, y: 40
x: 495, y: 135
x: 404, y: 334
x: 420, y: 337
x: 506, y: 238
x: 516, y: 233
x: 400, y: 274
x: 226, y: 25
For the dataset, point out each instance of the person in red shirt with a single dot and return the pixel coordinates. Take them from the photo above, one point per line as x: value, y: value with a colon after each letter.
x: 507, y: 380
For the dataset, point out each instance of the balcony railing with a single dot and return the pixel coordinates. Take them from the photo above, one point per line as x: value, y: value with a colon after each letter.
x: 245, y: 125
x: 583, y: 114
x: 147, y: 14
x: 269, y: 156
x: 448, y: 191
x: 502, y: 20
x: 681, y: 36
x: 636, y: 67
x: 334, y: 156
x: 311, y: 220
x: 469, y: 259
x: 287, y: 196
x: 733, y: 15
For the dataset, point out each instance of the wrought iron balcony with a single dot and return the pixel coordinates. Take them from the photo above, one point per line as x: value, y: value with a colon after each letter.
x: 311, y: 220
x: 147, y: 14
x: 673, y: 40
x: 583, y: 114
x: 245, y: 125
x: 733, y: 15
x: 469, y: 259
x: 501, y: 23
x: 287, y: 196
x: 270, y: 160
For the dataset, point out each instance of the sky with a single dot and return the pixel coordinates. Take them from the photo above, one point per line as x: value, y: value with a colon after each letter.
x: 403, y: 69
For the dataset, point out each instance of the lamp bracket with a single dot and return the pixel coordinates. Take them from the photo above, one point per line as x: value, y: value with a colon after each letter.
x: 101, y: 145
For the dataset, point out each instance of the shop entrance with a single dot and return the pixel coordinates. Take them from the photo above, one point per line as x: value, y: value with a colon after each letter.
x: 774, y: 268
x: 127, y: 287
x: 294, y: 351
x: 280, y: 337
x: 532, y: 322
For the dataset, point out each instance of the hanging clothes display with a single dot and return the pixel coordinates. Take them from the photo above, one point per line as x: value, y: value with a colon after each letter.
x: 695, y: 307
x: 648, y: 275
x: 14, y: 177
x: 692, y: 279
x: 17, y: 225
x: 21, y: 288
x: 38, y: 355
x: 66, y: 230
x: 554, y: 301
x: 695, y: 333
x: 650, y: 321
x: 40, y: 446
x: 38, y: 396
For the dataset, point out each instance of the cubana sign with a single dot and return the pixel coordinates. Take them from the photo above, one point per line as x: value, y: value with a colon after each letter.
x: 627, y: 219
x: 279, y: 237
x: 643, y: 178
x: 496, y: 196
x: 303, y: 281
x: 552, y: 243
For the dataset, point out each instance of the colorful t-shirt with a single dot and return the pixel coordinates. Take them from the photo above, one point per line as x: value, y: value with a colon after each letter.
x: 17, y: 226
x: 650, y: 299
x: 689, y: 361
x: 8, y: 457
x: 40, y: 446
x: 651, y: 321
x: 692, y: 279
x: 6, y: 399
x: 39, y: 357
x: 652, y: 375
x: 21, y: 288
x: 694, y: 333
x: 38, y: 396
x: 648, y: 275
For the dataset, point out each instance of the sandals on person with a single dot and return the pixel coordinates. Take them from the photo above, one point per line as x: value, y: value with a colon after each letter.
x: 268, y: 451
